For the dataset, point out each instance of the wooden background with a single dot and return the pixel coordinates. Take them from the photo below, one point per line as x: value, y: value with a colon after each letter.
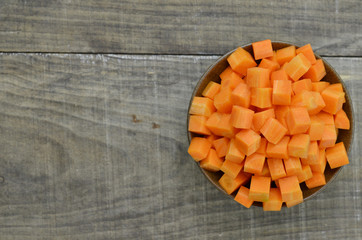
x: 93, y: 104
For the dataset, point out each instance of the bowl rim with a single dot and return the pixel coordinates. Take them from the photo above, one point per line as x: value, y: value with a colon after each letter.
x: 348, y: 98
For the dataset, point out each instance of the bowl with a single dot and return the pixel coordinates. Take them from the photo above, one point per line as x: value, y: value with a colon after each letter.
x: 345, y: 136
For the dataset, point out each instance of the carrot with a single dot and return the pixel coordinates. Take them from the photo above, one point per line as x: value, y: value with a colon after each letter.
x: 262, y: 147
x: 197, y: 125
x: 337, y: 155
x: 319, y: 86
x: 211, y: 138
x: 242, y: 197
x: 259, y: 188
x: 285, y: 54
x: 320, y: 104
x: 282, y: 92
x: 247, y: 141
x: 305, y: 174
x: 211, y: 90
x: 265, y: 172
x: 321, y: 164
x: 222, y: 101
x: 280, y: 114
x: 316, y: 128
x: 260, y: 118
x: 310, y: 100
x: 275, y: 201
x: 273, y: 58
x: 273, y: 130
x: 258, y: 77
x: 231, y: 168
x: 279, y: 150
x: 298, y: 120
x: 326, y: 118
x: 221, y: 146
x: 301, y: 85
x: 298, y: 145
x: 241, y: 117
x: 292, y: 166
x: 313, y: 154
x: 233, y: 153
x: 316, y: 72
x: 261, y: 97
x: 240, y: 60
x: 276, y: 168
x: 230, y: 79
x: 297, y: 67
x: 220, y: 125
x: 289, y: 188
x: 199, y: 148
x: 329, y: 137
x: 333, y: 100
x: 341, y: 120
x: 254, y: 163
x: 262, y: 49
x: 241, y: 95
x: 269, y: 64
x: 317, y: 180
x: 230, y: 184
x: 202, y: 106
x: 297, y: 200
x: 307, y: 52
x: 212, y: 162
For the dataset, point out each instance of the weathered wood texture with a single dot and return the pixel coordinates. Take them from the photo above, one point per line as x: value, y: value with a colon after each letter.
x: 94, y: 147
x: 177, y: 27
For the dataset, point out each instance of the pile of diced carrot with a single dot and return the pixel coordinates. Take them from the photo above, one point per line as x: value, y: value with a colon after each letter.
x: 269, y: 125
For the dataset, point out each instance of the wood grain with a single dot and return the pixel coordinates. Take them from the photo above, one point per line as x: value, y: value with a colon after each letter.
x: 81, y: 158
x: 333, y: 28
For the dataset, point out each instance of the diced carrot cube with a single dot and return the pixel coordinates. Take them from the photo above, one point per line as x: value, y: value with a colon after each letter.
x: 262, y: 49
x: 247, y: 141
x: 231, y: 168
x: 265, y: 172
x: 262, y: 147
x: 316, y: 72
x: 254, y: 163
x: 321, y: 164
x: 313, y: 101
x: 285, y: 54
x: 341, y: 120
x: 241, y: 95
x: 305, y: 174
x: 269, y: 64
x: 259, y: 188
x: 320, y: 104
x: 298, y: 120
x: 275, y: 201
x: 292, y: 166
x: 313, y: 154
x: 211, y: 138
x: 222, y: 101
x: 261, y: 97
x: 230, y: 184
x: 212, y: 162
x: 273, y: 130
x: 260, y: 118
x: 280, y: 114
x: 211, y: 90
x: 279, y: 150
x: 240, y: 60
x: 202, y: 106
x: 327, y: 118
x: 280, y: 74
x: 333, y: 100
x: 199, y: 148
x: 233, y: 153
x: 197, y: 125
x: 319, y: 86
x: 317, y: 180
x: 274, y: 57
x: 297, y: 200
x: 282, y: 92
x: 307, y: 52
x: 289, y: 188
x: 230, y: 79
x: 337, y: 155
x: 329, y: 137
x: 276, y: 168
x: 298, y: 145
x: 221, y: 146
x: 257, y: 77
x: 316, y: 128
x: 241, y: 117
x: 302, y: 85
x: 297, y: 67
x: 242, y: 197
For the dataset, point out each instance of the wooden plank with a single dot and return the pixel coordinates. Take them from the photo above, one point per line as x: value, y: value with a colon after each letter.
x: 94, y: 147
x: 177, y: 27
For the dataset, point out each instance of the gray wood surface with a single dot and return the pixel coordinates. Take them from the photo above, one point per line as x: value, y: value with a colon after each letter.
x: 94, y: 147
x: 333, y: 28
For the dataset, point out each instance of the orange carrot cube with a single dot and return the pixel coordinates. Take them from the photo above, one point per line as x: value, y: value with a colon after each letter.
x: 231, y: 168
x: 241, y: 95
x: 317, y: 180
x: 261, y: 97
x: 307, y: 52
x: 265, y: 172
x: 279, y: 150
x: 257, y: 77
x: 321, y: 164
x: 241, y: 117
x: 326, y: 118
x: 329, y: 137
x: 319, y: 86
x: 298, y: 145
x: 286, y: 54
x: 316, y: 128
x: 254, y: 163
x: 274, y: 57
x: 242, y: 197
x: 211, y: 138
x: 298, y: 120
x: 292, y: 166
x: 233, y: 153
x: 313, y: 154
x: 260, y: 118
x: 341, y: 120
x: 276, y: 168
x: 269, y: 64
x: 289, y: 188
x: 221, y: 146
x: 337, y: 155
x: 230, y: 79
x: 259, y: 188
x: 240, y: 60
x: 305, y: 174
x: 302, y: 85
x: 197, y: 124
x: 297, y: 200
x: 282, y: 92
x: 230, y: 184
x: 333, y: 100
x: 202, y: 106
x: 247, y: 141
x: 262, y: 147
x: 297, y: 67
x: 262, y: 49
x: 211, y: 90
x: 222, y: 101
x: 199, y: 148
x: 273, y: 130
x: 275, y: 201
x: 212, y: 162
x: 316, y: 72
